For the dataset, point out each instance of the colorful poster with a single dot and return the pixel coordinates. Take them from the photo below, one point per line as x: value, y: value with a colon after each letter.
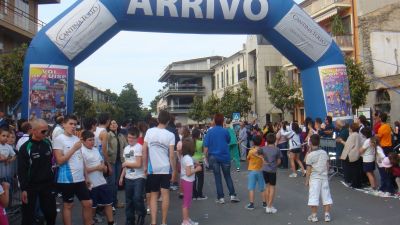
x: 47, y: 91
x: 335, y: 86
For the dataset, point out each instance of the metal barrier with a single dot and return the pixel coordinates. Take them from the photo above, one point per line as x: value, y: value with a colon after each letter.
x: 329, y: 145
x: 8, y: 173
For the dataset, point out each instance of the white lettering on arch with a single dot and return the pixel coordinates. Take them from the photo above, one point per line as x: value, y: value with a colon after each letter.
x: 170, y: 4
x: 229, y: 12
x: 195, y: 5
x: 249, y: 12
x: 144, y: 5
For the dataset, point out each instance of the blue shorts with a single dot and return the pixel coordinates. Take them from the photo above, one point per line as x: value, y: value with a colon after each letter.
x: 255, y: 177
x: 101, y: 195
x: 368, y: 166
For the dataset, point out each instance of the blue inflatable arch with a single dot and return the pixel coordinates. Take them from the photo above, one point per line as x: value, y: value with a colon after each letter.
x: 84, y: 27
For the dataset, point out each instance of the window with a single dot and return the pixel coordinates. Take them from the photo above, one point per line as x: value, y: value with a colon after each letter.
x: 227, y: 77
x: 267, y: 77
x: 238, y: 72
x: 382, y: 101
x: 233, y: 75
x: 213, y: 84
x: 22, y: 14
x: 217, y: 80
x: 3, y: 8
x: 222, y: 80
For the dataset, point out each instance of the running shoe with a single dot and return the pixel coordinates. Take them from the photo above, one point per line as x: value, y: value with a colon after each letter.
x: 249, y: 206
x: 264, y: 204
x: 202, y: 197
x: 312, y: 218
x: 292, y: 175
x: 220, y: 201
x: 327, y: 217
x: 234, y: 199
x: 271, y: 210
x: 193, y: 222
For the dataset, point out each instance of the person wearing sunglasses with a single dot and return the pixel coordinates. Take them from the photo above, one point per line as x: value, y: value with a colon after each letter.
x: 36, y: 176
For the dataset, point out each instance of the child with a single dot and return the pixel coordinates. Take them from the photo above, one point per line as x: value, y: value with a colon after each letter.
x: 394, y: 160
x: 317, y: 179
x: 134, y: 179
x: 100, y: 191
x: 198, y: 157
x: 272, y: 159
x: 188, y: 171
x: 7, y: 153
x: 367, y: 151
x: 386, y: 189
x: 4, y: 198
x: 255, y: 175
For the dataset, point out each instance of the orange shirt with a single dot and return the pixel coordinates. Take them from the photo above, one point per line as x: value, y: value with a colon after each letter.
x: 385, y: 135
x: 255, y: 163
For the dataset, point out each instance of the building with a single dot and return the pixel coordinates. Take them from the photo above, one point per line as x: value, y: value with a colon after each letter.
x: 185, y: 80
x: 19, y: 23
x: 229, y: 73
x: 93, y: 93
x: 263, y: 62
x: 380, y: 53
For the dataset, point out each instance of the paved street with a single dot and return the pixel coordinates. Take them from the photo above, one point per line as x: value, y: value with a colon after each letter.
x: 350, y: 206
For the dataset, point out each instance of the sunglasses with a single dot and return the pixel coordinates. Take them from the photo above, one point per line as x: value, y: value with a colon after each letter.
x: 44, y: 131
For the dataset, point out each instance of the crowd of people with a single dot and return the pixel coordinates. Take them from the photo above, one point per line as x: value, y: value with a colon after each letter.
x: 151, y: 158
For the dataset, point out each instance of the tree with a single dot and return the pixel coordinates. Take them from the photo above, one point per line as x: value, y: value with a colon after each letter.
x: 154, y: 102
x: 282, y: 95
x: 11, y: 67
x: 357, y: 84
x: 130, y: 103
x: 212, y: 106
x: 196, y: 111
x: 337, y: 26
x: 111, y: 96
x: 243, y: 102
x: 228, y: 104
x: 82, y: 104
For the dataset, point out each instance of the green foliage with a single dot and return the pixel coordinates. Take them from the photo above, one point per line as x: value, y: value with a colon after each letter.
x: 212, y: 106
x: 112, y: 97
x: 11, y: 66
x: 337, y: 26
x: 83, y: 106
x: 357, y: 83
x: 154, y: 102
x: 243, y: 102
x: 229, y: 103
x: 130, y: 103
x: 197, y: 112
x: 282, y: 95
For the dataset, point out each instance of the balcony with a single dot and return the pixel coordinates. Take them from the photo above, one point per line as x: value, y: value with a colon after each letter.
x: 345, y: 42
x: 48, y: 1
x: 179, y: 109
x: 183, y: 89
x: 16, y: 20
x: 317, y: 8
x: 242, y: 75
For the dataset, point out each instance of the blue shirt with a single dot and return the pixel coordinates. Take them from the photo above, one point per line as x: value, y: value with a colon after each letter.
x: 217, y: 141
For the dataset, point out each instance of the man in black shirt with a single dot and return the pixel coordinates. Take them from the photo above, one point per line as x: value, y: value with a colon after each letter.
x: 36, y: 176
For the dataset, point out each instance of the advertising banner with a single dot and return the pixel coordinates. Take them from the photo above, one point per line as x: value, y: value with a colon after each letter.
x: 335, y: 86
x: 47, y: 91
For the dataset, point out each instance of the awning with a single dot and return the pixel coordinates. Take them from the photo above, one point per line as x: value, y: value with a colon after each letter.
x: 326, y: 15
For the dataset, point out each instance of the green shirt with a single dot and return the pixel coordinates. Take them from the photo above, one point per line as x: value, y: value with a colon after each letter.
x: 198, y: 154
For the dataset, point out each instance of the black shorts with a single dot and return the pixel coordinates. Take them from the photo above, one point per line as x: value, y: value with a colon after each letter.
x: 69, y: 191
x: 157, y: 181
x: 296, y: 150
x: 269, y: 178
x: 101, y: 195
x: 368, y: 166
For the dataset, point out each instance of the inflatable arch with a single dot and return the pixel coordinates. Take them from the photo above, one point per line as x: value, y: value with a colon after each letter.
x: 84, y: 27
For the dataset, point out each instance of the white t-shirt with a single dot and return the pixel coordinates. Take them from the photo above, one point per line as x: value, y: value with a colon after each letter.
x: 369, y: 154
x: 6, y: 150
x: 97, y: 141
x: 187, y: 160
x: 318, y: 160
x: 93, y: 158
x: 158, y: 141
x: 130, y: 154
x: 380, y: 155
x: 22, y: 141
x: 71, y: 171
x: 56, y: 132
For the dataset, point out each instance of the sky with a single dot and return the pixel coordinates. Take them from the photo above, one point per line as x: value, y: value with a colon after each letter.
x: 140, y: 58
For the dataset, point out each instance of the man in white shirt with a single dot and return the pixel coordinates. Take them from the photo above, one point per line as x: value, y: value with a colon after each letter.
x: 159, y: 164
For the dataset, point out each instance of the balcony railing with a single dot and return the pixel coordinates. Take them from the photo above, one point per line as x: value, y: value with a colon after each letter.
x: 317, y: 6
x: 184, y: 88
x: 18, y: 18
x: 344, y: 41
x: 184, y: 108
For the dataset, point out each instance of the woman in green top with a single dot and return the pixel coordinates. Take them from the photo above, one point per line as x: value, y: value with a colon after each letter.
x: 198, y: 158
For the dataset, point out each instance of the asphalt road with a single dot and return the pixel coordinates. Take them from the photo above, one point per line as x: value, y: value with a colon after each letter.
x: 349, y: 207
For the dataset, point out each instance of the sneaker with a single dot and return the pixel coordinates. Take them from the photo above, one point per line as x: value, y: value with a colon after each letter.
x: 234, y: 199
x: 202, y: 197
x: 385, y: 195
x: 378, y: 193
x: 220, y: 201
x: 174, y: 188
x: 249, y: 206
x: 312, y: 218
x: 148, y: 211
x: 237, y: 169
x: 193, y: 222
x: 264, y: 204
x: 97, y: 218
x: 271, y: 210
x: 292, y: 175
x: 327, y: 217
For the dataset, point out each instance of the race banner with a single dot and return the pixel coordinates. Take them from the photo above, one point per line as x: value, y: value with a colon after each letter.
x: 335, y: 87
x: 47, y: 91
